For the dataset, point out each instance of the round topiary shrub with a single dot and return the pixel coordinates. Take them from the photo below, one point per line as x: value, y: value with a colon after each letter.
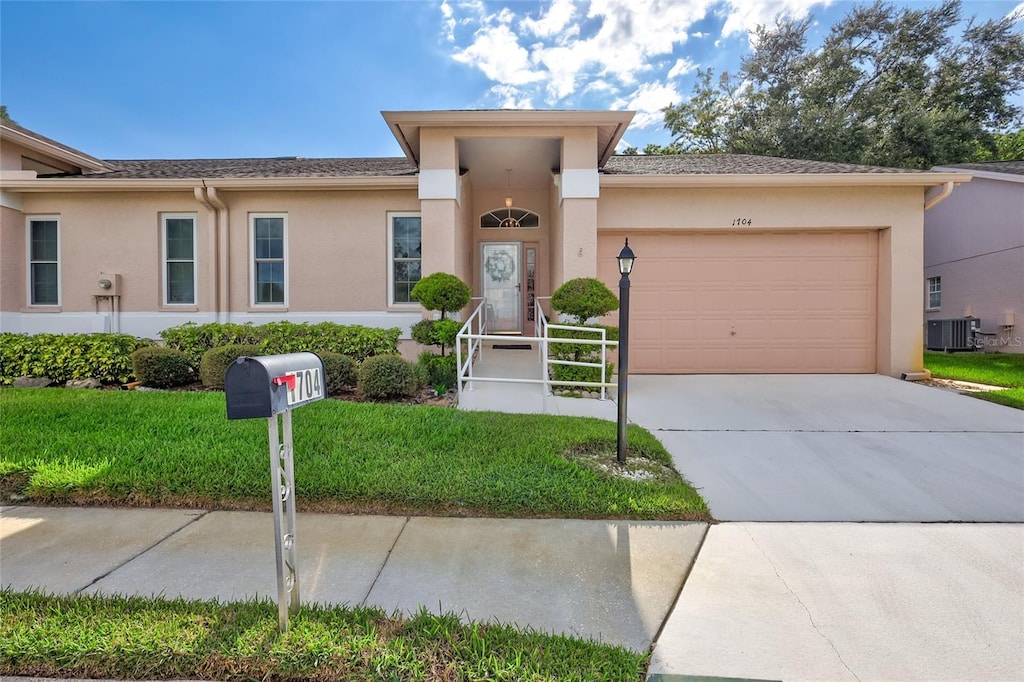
x: 584, y: 298
x: 383, y: 377
x: 162, y: 367
x: 216, y: 361
x: 342, y: 372
x: 442, y: 291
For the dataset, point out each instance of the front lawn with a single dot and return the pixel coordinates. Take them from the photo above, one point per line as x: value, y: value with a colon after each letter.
x: 178, y: 449
x: 996, y: 369
x: 138, y: 638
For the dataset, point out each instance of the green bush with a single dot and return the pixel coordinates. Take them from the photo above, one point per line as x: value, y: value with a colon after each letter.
x: 216, y: 361
x: 61, y: 357
x: 581, y: 352
x: 442, y: 291
x: 162, y: 367
x: 437, y: 371
x: 194, y: 339
x: 441, y: 333
x: 584, y: 298
x: 342, y: 372
x: 386, y: 376
x: 356, y: 341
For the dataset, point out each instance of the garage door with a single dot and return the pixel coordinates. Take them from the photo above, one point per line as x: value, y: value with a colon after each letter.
x: 749, y: 302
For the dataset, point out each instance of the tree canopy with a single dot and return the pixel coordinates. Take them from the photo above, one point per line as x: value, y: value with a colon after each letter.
x: 888, y: 86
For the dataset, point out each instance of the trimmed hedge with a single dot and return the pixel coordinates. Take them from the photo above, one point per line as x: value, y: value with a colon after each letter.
x: 162, y: 367
x: 216, y: 361
x: 584, y: 298
x: 356, y: 341
x: 386, y: 376
x: 61, y: 357
x: 437, y: 371
x: 342, y: 372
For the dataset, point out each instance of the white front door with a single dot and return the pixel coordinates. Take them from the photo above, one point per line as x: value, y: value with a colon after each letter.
x: 499, y: 269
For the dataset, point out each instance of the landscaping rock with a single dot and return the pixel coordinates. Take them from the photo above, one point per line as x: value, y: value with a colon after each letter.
x: 83, y: 383
x: 33, y: 382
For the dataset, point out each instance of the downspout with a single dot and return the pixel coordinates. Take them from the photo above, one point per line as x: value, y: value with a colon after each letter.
x: 947, y: 189
x: 223, y: 254
x: 214, y: 296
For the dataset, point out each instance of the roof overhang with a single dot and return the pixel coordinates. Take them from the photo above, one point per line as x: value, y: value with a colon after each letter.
x: 406, y: 125
x: 922, y: 179
x: 988, y: 175
x: 26, y: 139
x: 85, y: 184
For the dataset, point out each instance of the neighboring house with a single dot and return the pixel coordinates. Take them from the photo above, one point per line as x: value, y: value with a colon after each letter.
x: 974, y: 254
x: 744, y: 264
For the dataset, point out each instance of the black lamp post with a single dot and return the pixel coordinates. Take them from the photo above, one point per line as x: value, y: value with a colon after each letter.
x: 625, y: 259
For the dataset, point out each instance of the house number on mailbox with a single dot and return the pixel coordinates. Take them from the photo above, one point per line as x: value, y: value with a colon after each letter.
x: 306, y: 385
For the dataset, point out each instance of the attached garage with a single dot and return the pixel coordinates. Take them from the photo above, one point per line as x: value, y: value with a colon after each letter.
x: 776, y: 301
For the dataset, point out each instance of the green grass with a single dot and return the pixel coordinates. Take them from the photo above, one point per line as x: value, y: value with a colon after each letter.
x: 139, y: 638
x: 996, y: 369
x: 178, y: 449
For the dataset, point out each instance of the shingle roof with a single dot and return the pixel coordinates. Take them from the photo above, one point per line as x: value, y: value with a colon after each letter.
x: 731, y: 164
x: 285, y: 167
x: 1011, y: 167
x: 42, y: 138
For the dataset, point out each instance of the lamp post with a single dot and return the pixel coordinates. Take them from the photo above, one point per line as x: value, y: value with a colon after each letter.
x: 625, y: 259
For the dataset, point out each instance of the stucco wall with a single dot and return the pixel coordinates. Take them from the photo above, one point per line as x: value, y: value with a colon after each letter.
x: 12, y: 259
x: 896, y: 212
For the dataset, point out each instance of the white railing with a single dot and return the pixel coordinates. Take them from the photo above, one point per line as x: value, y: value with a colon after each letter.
x: 474, y: 332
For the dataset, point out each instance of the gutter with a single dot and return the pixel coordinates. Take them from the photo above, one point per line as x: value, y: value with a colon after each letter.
x: 203, y: 199
x: 938, y: 197
x: 711, y: 180
x: 85, y: 184
x: 222, y: 254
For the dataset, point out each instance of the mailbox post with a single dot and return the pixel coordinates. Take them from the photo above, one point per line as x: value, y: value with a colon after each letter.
x: 271, y: 386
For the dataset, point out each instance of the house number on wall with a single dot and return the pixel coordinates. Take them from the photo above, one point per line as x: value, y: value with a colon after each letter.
x: 745, y: 222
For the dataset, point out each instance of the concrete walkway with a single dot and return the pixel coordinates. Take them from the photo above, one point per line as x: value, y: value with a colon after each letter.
x: 611, y: 581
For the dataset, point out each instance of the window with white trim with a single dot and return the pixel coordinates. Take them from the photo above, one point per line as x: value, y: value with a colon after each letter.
x: 270, y: 258
x: 179, y: 241
x: 44, y: 260
x: 405, y: 256
x: 934, y: 293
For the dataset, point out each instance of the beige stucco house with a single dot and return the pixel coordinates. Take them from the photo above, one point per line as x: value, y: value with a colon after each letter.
x: 974, y: 257
x: 744, y: 264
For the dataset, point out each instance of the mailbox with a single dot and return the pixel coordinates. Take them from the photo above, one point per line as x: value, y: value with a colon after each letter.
x: 272, y: 384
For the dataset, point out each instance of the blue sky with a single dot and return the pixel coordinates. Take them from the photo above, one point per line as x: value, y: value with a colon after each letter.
x: 187, y: 79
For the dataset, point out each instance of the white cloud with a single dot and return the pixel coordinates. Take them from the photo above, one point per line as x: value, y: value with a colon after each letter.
x: 744, y: 16
x: 1017, y: 13
x: 510, y: 97
x: 648, y: 100
x: 554, y: 21
x: 681, y: 68
x: 496, y: 52
x: 449, y: 21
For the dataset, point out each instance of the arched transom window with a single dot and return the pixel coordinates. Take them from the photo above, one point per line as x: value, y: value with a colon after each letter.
x: 509, y: 217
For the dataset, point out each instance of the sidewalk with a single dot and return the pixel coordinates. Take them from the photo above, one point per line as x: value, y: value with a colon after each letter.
x: 611, y: 581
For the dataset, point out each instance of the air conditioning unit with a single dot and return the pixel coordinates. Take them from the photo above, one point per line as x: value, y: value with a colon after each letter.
x: 953, y: 335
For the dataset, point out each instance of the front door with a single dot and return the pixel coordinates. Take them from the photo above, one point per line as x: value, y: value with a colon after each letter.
x: 499, y: 269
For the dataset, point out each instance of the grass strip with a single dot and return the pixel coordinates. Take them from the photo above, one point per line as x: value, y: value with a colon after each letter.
x: 178, y: 449
x: 141, y: 638
x: 995, y: 369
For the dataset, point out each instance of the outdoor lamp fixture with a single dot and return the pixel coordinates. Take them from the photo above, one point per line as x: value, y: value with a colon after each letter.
x: 509, y: 221
x: 625, y: 258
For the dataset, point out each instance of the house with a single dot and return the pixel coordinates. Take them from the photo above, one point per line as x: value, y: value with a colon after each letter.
x: 744, y: 264
x: 974, y: 255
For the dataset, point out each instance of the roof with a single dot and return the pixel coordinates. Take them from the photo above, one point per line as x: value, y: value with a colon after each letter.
x: 41, y: 143
x: 732, y: 164
x: 1008, y: 167
x: 280, y: 167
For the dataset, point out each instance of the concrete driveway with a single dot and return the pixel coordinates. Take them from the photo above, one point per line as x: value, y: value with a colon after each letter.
x: 836, y: 447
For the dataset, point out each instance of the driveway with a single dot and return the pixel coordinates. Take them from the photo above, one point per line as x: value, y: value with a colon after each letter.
x: 836, y: 447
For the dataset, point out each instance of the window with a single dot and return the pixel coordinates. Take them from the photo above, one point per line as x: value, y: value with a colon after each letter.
x: 44, y: 260
x: 934, y: 293
x: 269, y: 249
x: 509, y: 217
x: 404, y: 256
x: 179, y: 237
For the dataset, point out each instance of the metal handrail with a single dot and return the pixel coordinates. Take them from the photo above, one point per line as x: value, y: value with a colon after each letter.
x: 474, y: 342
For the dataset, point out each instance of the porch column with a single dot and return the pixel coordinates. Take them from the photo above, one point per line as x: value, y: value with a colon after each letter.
x: 579, y: 190
x: 439, y: 199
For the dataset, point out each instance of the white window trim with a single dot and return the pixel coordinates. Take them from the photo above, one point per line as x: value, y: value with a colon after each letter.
x: 252, y: 260
x: 928, y: 293
x: 164, y: 217
x: 28, y: 260
x: 391, y: 255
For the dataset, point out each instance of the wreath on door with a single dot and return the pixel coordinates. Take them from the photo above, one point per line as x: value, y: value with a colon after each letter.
x: 500, y: 266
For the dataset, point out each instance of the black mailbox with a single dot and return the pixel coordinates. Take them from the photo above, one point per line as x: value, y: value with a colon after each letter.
x: 271, y: 384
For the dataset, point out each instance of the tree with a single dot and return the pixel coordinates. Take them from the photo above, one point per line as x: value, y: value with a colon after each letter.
x: 4, y: 116
x: 889, y: 86
x: 584, y: 298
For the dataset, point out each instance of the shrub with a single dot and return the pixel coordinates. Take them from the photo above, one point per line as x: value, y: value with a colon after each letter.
x: 105, y: 357
x: 194, y: 340
x: 441, y: 333
x: 386, y: 376
x: 442, y: 291
x: 584, y: 298
x: 341, y: 370
x: 356, y: 341
x: 162, y: 367
x: 437, y: 371
x: 581, y: 352
x: 216, y: 361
